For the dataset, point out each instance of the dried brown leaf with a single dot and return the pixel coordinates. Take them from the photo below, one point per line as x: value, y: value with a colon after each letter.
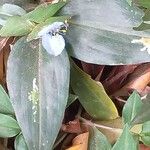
x: 80, y: 142
x: 95, y: 71
x: 117, y: 77
x: 138, y: 80
x: 72, y: 126
x: 143, y: 147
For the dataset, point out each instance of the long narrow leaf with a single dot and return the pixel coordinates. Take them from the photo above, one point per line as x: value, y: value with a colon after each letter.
x: 38, y: 87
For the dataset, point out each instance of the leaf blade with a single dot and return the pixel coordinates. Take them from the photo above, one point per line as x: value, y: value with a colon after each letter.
x: 91, y: 95
x: 16, y: 26
x: 20, y: 143
x: 98, y: 141
x: 126, y: 137
x: 43, y: 12
x: 107, y: 41
x: 8, y: 126
x: 32, y: 63
x: 132, y: 107
x: 5, y: 104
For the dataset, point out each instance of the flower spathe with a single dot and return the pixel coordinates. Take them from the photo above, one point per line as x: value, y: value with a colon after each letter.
x: 52, y: 40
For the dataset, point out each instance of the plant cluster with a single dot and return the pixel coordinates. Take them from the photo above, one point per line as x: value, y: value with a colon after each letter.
x: 45, y: 78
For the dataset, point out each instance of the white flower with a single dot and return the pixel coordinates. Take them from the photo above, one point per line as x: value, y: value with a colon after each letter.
x: 145, y: 42
x: 52, y: 40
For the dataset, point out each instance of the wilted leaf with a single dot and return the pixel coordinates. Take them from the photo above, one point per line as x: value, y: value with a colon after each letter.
x: 92, y: 95
x: 16, y: 26
x: 4, y: 53
x: 40, y: 94
x: 98, y: 141
x: 8, y: 126
x: 72, y: 126
x: 116, y: 78
x: 43, y: 12
x: 20, y: 143
x: 132, y: 107
x: 107, y: 41
x: 143, y: 147
x: 95, y: 71
x: 138, y: 80
x: 3, y: 42
x: 80, y: 142
x: 126, y: 141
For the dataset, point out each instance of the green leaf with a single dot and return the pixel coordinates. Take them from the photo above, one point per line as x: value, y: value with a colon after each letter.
x: 40, y: 94
x: 11, y: 10
x: 98, y: 141
x: 142, y: 27
x: 143, y: 115
x: 39, y: 27
x: 20, y: 143
x: 108, y: 26
x: 71, y: 99
x: 92, y: 95
x: 126, y: 141
x: 16, y: 26
x: 112, y: 129
x: 132, y: 107
x: 144, y: 3
x: 5, y: 104
x: 16, y: 2
x: 3, y: 19
x: 43, y: 12
x: 145, y: 134
x: 8, y: 126
x: 129, y: 2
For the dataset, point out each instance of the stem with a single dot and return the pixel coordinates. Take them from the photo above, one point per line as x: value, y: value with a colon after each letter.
x: 79, y: 112
x: 96, y: 125
x: 5, y: 143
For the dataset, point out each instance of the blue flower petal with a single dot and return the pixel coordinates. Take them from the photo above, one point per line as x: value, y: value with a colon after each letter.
x: 54, y: 45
